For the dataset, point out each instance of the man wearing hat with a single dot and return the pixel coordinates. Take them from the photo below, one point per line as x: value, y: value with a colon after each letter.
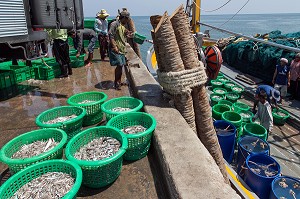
x: 101, y: 28
x: 273, y: 95
x: 281, y: 78
x: 117, y: 46
x: 295, y: 76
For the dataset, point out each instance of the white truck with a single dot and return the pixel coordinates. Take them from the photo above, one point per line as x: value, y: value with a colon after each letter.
x: 22, y: 23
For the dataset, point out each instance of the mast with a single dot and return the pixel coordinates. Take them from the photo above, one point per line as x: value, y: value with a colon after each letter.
x: 196, y: 16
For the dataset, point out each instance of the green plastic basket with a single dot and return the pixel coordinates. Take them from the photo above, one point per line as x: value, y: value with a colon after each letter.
x: 280, y: 120
x: 229, y: 103
x: 232, y: 97
x: 71, y: 127
x: 228, y: 85
x: 7, y: 78
x: 216, y: 84
x: 256, y: 130
x: 99, y: 173
x: 14, y: 183
x: 221, y: 91
x: 222, y: 79
x: 134, y: 104
x: 138, y: 144
x: 239, y: 106
x: 72, y: 52
x: 77, y: 62
x: 137, y: 38
x: 94, y: 113
x: 246, y: 119
x: 218, y: 109
x: 15, y: 144
x: 237, y: 89
x: 232, y: 117
x: 220, y: 75
x: 215, y: 98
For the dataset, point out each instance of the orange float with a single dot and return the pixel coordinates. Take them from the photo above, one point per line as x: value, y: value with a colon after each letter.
x: 213, y: 58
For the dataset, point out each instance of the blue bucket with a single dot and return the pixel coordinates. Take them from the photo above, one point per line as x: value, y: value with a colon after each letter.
x: 259, y: 179
x: 226, y: 138
x: 282, y: 186
x: 246, y: 147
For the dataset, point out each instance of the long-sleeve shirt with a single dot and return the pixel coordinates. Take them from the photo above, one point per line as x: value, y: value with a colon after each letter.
x: 82, y: 34
x: 264, y: 113
x: 101, y: 26
x: 57, y: 34
x: 295, y: 70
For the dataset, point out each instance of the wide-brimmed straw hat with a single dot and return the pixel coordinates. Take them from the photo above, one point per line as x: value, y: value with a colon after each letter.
x: 284, y: 60
x: 102, y: 13
x: 275, y: 94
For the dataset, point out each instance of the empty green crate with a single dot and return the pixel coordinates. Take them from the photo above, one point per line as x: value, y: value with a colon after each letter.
x: 22, y: 73
x: 77, y: 62
x: 7, y: 78
x: 6, y: 65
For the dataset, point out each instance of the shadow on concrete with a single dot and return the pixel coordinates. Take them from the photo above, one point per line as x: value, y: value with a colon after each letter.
x: 15, y: 90
x: 85, y: 191
x: 105, y: 85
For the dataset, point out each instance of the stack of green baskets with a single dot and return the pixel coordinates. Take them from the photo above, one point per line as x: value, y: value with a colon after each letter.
x: 138, y: 144
x: 223, y: 79
x: 134, y: 104
x: 15, y: 144
x: 14, y: 183
x: 103, y: 172
x: 280, y: 119
x: 94, y: 113
x: 71, y: 127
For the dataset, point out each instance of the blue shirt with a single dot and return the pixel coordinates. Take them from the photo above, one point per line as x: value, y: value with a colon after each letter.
x: 268, y: 89
x: 281, y: 76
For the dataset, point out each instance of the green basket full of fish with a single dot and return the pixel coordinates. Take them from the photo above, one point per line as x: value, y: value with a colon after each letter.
x: 67, y: 118
x: 138, y: 128
x: 48, y: 179
x: 121, y: 105
x: 215, y: 98
x: 280, y: 116
x: 32, y: 147
x: 232, y: 96
x: 99, y: 152
x: 91, y: 102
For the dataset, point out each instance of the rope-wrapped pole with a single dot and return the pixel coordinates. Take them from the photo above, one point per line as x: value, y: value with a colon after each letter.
x: 168, y: 56
x: 204, y: 124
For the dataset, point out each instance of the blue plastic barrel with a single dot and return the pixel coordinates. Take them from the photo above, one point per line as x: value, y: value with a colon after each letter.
x: 226, y: 138
x: 285, y: 187
x: 248, y: 145
x: 259, y: 179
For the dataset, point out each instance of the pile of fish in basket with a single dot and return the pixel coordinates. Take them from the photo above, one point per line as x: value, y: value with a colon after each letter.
x: 35, y: 158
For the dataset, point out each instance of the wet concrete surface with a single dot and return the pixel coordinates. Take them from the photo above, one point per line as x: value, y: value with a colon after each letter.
x: 137, y: 179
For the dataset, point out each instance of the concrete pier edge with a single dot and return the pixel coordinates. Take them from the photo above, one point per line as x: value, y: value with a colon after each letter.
x: 188, y: 170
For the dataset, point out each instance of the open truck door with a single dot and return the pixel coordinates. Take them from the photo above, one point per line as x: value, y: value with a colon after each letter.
x: 18, y: 18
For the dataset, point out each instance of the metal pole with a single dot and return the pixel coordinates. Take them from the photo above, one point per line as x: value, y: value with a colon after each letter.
x: 254, y: 39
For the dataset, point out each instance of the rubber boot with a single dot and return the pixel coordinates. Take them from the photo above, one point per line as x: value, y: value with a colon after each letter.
x: 64, y: 71
x: 70, y: 70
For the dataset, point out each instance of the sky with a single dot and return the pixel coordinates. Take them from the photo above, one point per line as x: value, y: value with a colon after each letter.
x: 152, y: 7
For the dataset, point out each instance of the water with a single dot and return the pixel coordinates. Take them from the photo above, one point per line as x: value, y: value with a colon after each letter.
x: 247, y: 24
x: 285, y: 191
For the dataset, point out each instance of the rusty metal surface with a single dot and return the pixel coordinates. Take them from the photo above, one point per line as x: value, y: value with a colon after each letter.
x: 137, y: 179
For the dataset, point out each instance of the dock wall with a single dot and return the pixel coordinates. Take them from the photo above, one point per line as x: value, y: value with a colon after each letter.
x: 188, y: 170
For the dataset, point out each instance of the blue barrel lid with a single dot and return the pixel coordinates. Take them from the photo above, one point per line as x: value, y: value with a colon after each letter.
x: 286, y: 187
x: 254, y: 145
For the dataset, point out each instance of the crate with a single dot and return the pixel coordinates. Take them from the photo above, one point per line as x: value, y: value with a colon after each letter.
x: 7, y: 78
x: 22, y: 73
x: 7, y: 64
x: 9, y: 92
x: 77, y: 62
x: 137, y: 38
